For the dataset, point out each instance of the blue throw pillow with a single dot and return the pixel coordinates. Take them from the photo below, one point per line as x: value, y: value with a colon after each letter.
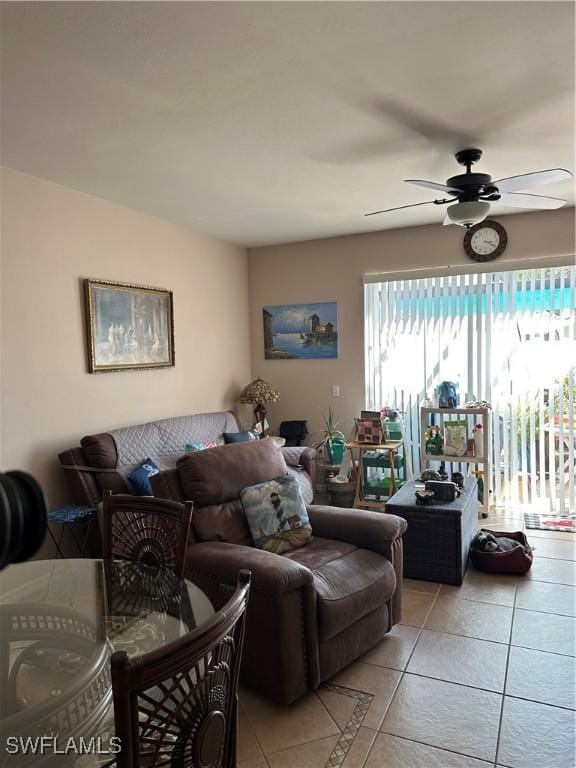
x: 140, y: 477
x: 276, y: 514
x: 239, y: 437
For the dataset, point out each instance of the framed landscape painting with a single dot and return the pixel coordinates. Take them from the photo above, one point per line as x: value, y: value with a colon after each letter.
x: 129, y: 326
x: 306, y: 331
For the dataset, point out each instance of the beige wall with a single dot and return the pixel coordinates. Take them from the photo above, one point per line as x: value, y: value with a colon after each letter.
x: 332, y: 270
x: 52, y: 237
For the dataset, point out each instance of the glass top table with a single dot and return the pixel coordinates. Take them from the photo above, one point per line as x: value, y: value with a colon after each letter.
x: 60, y: 621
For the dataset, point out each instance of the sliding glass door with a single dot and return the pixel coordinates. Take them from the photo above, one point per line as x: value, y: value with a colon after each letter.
x: 506, y: 337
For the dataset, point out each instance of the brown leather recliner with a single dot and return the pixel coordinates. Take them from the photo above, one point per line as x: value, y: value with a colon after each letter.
x: 312, y: 610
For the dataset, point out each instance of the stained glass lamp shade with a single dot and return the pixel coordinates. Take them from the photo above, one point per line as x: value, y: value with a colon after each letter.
x: 257, y: 393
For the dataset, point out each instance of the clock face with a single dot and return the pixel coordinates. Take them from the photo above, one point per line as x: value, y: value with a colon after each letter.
x: 485, y: 241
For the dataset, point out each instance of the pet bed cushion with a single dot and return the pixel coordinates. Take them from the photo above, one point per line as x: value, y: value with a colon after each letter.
x: 516, y: 561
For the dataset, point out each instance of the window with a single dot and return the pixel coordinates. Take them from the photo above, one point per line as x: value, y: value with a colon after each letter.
x: 506, y: 337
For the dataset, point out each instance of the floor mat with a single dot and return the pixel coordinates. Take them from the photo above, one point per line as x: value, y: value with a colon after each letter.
x: 550, y: 522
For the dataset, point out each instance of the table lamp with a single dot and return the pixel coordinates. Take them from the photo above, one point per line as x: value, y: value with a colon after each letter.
x: 258, y: 393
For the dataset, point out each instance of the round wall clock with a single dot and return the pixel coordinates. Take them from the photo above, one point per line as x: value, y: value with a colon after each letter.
x: 485, y: 241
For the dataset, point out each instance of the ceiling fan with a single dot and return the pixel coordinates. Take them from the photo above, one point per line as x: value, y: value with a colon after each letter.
x: 470, y: 195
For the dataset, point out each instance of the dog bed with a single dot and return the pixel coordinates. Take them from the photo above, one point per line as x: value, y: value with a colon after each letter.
x: 516, y: 561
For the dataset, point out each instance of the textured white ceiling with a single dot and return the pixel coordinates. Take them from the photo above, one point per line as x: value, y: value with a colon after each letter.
x: 271, y: 122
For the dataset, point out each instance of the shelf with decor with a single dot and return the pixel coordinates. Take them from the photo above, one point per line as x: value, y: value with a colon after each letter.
x: 483, y: 461
x: 385, y: 457
x: 451, y: 457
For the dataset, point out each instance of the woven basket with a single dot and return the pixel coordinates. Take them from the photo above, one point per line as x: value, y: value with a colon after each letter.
x: 341, y: 494
x: 516, y: 561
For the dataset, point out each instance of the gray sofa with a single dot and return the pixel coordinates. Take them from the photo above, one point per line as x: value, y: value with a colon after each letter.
x: 103, y: 461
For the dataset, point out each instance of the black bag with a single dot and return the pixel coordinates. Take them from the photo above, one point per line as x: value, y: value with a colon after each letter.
x: 294, y: 432
x: 443, y: 490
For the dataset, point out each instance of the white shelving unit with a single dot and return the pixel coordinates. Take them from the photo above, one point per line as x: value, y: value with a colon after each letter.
x: 483, y: 462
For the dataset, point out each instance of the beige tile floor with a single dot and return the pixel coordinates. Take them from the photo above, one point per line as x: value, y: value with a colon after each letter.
x: 478, y: 676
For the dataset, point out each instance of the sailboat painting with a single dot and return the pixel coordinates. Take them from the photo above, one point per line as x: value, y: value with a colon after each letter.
x: 301, y: 331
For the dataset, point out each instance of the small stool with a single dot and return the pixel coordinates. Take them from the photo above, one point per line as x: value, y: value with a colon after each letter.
x: 63, y: 516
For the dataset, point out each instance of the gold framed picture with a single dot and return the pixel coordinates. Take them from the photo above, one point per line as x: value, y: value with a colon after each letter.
x: 129, y: 327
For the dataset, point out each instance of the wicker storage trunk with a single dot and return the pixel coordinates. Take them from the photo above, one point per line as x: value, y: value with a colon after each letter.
x: 438, y: 538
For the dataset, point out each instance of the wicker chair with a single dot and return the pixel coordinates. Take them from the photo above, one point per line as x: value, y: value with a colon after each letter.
x: 177, y: 706
x: 146, y: 529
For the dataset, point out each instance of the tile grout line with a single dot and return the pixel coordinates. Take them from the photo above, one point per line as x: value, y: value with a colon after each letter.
x: 376, y: 737
x: 435, y: 746
x: 420, y: 627
x: 260, y: 747
x: 508, y: 644
x: 497, y: 605
x: 540, y: 650
x: 402, y: 671
x: 469, y: 600
x: 542, y: 703
x: 405, y: 671
x: 375, y: 732
x: 372, y: 745
x: 509, y: 648
x: 505, y: 680
x: 302, y: 744
x: 325, y: 708
x: 296, y: 746
x: 344, y: 745
x: 454, y: 595
x: 461, y: 685
x: 420, y: 630
x: 470, y: 637
x: 519, y: 607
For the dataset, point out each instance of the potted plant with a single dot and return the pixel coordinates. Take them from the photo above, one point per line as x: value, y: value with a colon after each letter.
x: 333, y: 441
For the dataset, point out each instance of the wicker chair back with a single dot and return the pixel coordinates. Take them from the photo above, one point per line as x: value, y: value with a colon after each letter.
x: 146, y: 529
x: 177, y: 706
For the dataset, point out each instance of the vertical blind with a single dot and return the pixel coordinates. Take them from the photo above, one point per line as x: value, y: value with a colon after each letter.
x: 506, y: 337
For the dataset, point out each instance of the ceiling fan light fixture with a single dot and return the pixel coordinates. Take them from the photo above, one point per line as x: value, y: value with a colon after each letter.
x: 469, y: 213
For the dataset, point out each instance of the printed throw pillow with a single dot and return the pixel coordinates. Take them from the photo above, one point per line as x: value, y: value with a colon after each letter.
x: 276, y: 514
x: 194, y: 447
x: 239, y: 437
x: 140, y: 477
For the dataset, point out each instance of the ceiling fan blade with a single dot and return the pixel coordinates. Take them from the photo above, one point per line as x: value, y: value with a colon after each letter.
x: 528, y: 180
x: 525, y: 200
x: 412, y: 205
x: 367, y: 151
x: 432, y: 185
x: 437, y: 133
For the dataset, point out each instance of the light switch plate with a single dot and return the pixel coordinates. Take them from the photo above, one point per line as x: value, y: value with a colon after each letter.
x: 335, y: 390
